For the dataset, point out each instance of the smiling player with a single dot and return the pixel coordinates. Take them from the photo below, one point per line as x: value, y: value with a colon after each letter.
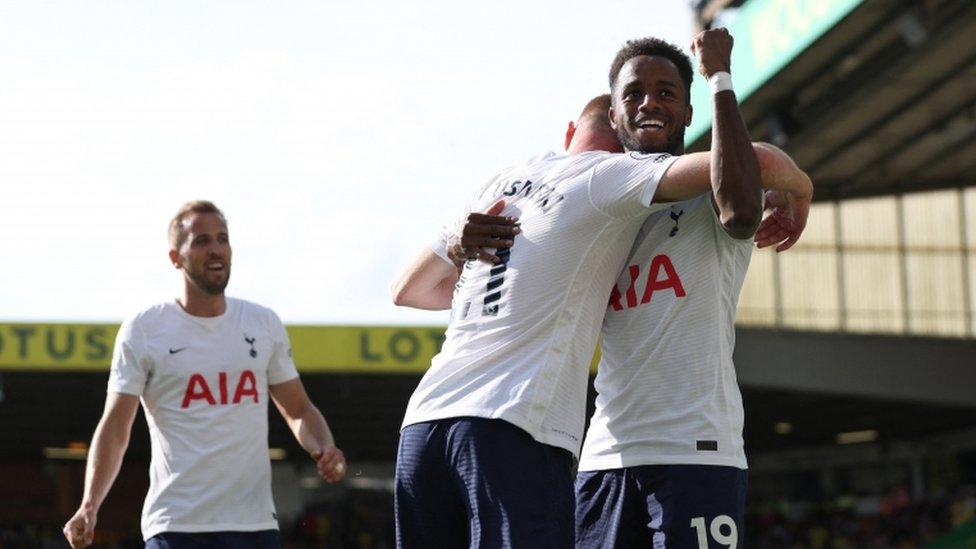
x: 204, y: 366
x: 661, y: 466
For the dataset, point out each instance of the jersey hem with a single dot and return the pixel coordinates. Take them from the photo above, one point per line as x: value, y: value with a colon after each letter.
x: 199, y: 528
x: 621, y: 462
x: 515, y: 419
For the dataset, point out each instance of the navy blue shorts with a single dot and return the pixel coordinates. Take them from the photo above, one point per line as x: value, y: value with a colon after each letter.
x: 263, y: 539
x: 661, y: 506
x: 481, y: 483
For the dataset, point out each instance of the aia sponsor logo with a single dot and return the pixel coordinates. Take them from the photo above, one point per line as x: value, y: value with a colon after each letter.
x: 659, y: 276
x: 197, y: 388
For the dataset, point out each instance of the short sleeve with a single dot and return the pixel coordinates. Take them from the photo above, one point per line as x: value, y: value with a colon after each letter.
x: 439, y: 244
x: 623, y: 186
x: 130, y: 364
x: 281, y: 368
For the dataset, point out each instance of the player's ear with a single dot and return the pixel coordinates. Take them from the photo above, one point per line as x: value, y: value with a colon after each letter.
x: 570, y: 132
x: 688, y: 115
x: 613, y: 120
x: 175, y: 259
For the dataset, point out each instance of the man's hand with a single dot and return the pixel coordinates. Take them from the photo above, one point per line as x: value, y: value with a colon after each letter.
x: 482, y: 231
x: 785, y: 224
x: 331, y: 464
x: 713, y: 48
x: 80, y: 530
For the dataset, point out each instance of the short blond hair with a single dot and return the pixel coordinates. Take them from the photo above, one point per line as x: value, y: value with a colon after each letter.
x: 598, y: 108
x: 177, y: 231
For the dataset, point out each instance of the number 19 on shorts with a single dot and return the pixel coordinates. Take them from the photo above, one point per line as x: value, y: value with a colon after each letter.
x: 722, y: 530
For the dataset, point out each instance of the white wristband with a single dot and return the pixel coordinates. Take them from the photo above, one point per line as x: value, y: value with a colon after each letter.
x: 720, y: 81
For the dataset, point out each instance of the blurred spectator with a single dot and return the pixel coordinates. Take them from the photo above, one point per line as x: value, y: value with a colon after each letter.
x: 363, y: 519
x: 891, y: 521
x: 360, y: 520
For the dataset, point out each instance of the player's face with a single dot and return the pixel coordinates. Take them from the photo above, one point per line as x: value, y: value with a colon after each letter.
x: 204, y: 257
x: 650, y: 106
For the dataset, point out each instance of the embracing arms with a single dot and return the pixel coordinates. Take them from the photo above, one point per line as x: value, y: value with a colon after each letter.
x: 789, y: 191
x: 427, y: 282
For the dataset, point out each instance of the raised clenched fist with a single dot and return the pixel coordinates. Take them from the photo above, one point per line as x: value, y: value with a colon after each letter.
x: 713, y: 48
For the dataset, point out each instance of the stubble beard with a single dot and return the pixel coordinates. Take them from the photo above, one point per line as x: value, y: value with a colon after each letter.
x: 673, y: 146
x: 212, y: 288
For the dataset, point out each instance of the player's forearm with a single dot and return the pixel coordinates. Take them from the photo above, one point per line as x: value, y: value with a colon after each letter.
x: 734, y: 169
x: 690, y: 175
x: 436, y: 298
x: 104, y: 461
x: 442, y: 296
x: 780, y: 173
x: 427, y: 283
x: 311, y: 430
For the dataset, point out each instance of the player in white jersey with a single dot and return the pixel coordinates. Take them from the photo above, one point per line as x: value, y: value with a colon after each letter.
x: 527, y: 367
x: 204, y: 367
x: 663, y: 464
x: 488, y: 440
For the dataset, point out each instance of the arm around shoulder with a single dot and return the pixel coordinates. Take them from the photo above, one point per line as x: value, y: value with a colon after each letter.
x: 690, y: 176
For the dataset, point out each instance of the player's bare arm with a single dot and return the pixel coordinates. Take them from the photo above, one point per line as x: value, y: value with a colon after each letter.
x: 689, y: 177
x: 309, y: 427
x: 108, y: 445
x: 789, y: 192
x: 736, y: 189
x: 427, y: 282
x: 789, y: 209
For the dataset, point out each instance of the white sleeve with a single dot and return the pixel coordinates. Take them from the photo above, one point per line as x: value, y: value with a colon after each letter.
x: 281, y: 367
x: 623, y: 186
x: 130, y: 363
x: 439, y: 244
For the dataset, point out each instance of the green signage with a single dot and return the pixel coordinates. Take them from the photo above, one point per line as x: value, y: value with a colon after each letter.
x: 768, y: 35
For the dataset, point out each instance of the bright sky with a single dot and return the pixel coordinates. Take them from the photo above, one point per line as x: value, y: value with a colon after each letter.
x: 337, y: 136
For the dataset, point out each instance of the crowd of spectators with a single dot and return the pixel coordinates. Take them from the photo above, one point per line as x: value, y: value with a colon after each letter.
x: 360, y: 520
x: 49, y: 536
x: 363, y: 519
x: 893, y: 521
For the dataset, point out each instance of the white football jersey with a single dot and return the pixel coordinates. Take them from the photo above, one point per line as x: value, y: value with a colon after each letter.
x: 204, y: 388
x: 522, y: 333
x: 667, y: 392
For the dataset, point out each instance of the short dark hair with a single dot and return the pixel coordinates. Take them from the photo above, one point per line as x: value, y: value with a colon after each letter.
x: 652, y: 46
x: 177, y: 232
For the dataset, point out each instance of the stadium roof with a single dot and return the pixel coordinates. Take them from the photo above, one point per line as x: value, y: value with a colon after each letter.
x: 870, y: 97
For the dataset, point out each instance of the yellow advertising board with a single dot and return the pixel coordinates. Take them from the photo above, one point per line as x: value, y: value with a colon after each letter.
x: 365, y: 349
x: 56, y: 346
x: 358, y: 349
